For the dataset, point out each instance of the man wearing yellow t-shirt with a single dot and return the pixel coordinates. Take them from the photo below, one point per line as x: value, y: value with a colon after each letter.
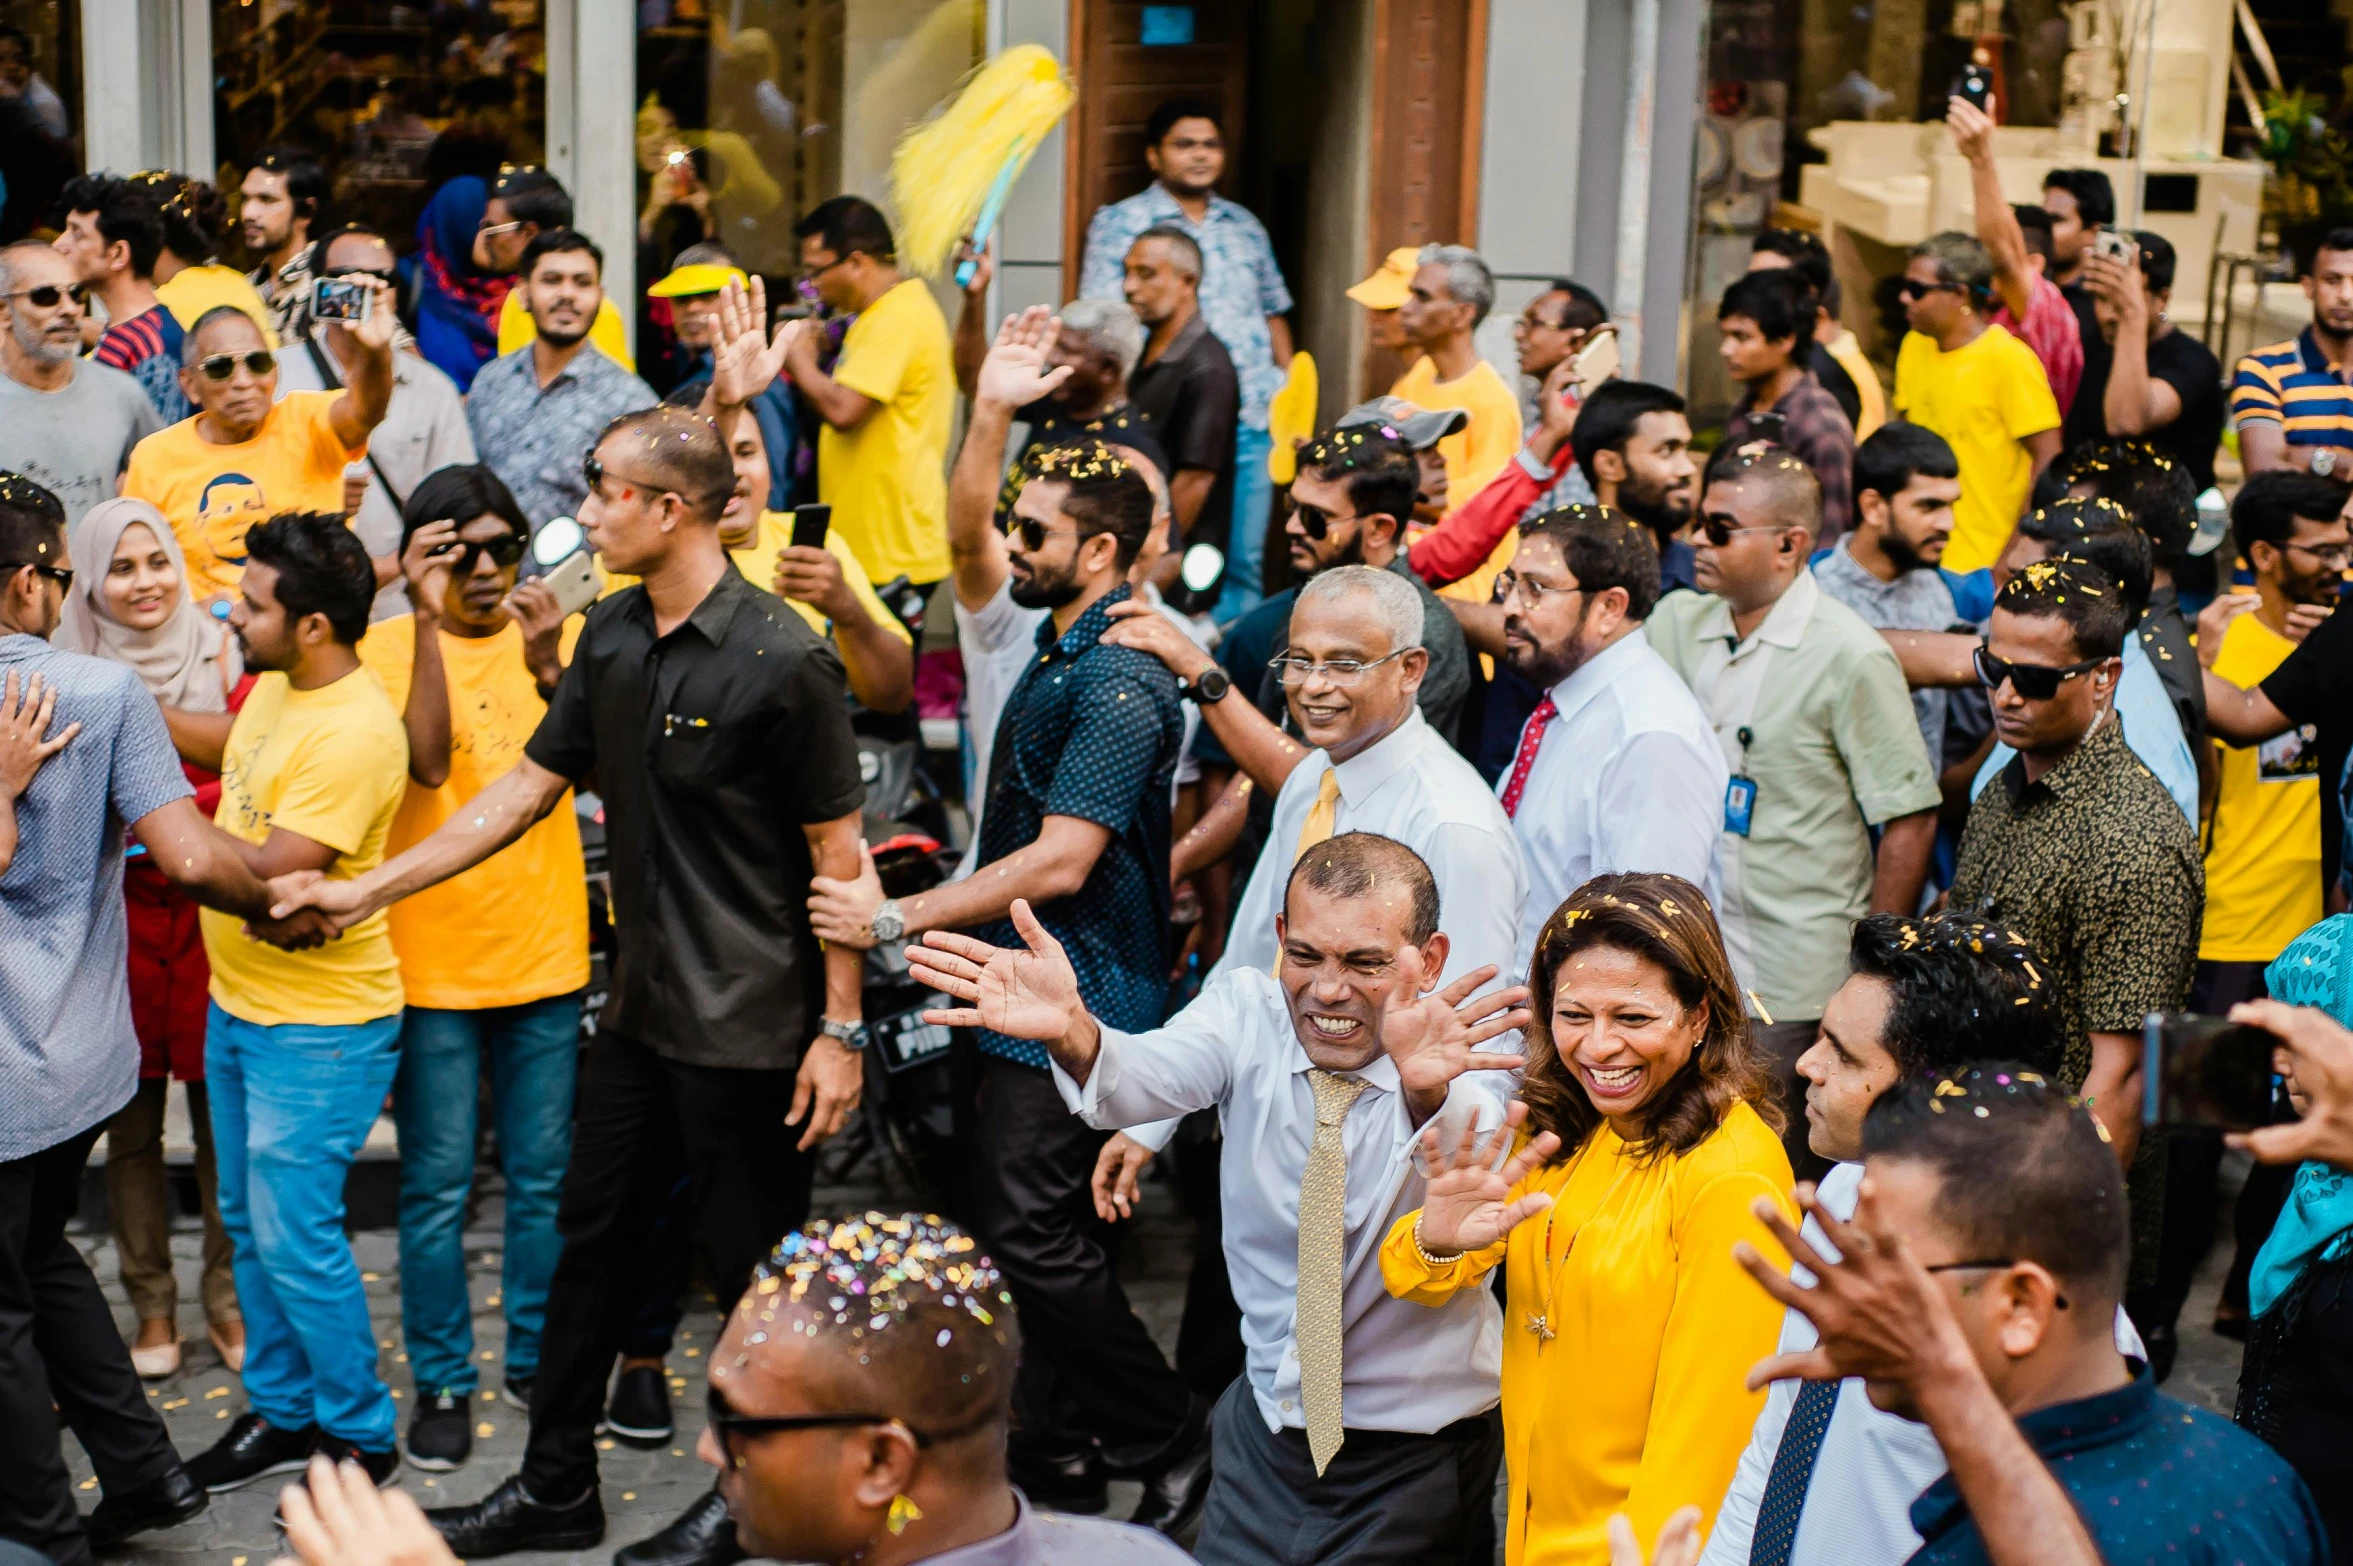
x: 246, y: 454
x: 883, y: 450
x: 1982, y: 389
x: 1450, y: 294
x: 493, y: 960
x: 300, y: 1046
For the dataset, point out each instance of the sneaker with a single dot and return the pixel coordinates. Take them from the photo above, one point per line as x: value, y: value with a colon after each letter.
x: 516, y: 1393
x: 441, y: 1432
x: 253, y: 1449
x: 383, y: 1467
x: 639, y: 1413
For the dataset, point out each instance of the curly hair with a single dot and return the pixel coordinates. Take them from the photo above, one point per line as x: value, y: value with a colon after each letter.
x: 1665, y: 920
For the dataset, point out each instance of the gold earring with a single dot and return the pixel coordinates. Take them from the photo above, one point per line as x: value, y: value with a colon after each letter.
x: 903, y: 1512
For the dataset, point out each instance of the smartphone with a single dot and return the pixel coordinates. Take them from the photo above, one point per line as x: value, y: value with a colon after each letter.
x: 2206, y: 1071
x: 1597, y: 361
x: 2117, y: 246
x: 809, y: 525
x: 560, y: 552
x: 1976, y: 88
x: 340, y: 299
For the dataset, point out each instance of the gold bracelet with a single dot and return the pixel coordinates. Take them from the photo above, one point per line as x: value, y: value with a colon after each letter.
x: 1427, y: 1259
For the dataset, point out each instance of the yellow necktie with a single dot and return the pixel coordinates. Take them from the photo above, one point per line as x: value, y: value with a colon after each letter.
x: 1323, y: 1237
x: 1320, y: 814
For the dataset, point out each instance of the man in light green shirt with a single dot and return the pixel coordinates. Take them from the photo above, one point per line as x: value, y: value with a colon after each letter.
x: 1816, y: 724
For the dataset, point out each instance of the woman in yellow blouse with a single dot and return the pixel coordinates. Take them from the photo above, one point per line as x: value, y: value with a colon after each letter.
x: 1629, y: 1329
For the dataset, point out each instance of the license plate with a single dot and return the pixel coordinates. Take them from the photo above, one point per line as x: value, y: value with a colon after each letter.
x: 906, y: 1040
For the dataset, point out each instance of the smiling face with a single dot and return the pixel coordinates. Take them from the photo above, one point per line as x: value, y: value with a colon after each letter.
x: 1344, y: 717
x: 739, y: 522
x: 1617, y: 1026
x: 1847, y: 1067
x: 142, y: 587
x: 1340, y: 968
x: 563, y: 294
x: 1655, y: 480
x: 238, y: 404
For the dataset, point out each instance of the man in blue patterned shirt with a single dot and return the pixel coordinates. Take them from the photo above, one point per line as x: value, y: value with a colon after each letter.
x: 1076, y: 822
x: 1243, y: 298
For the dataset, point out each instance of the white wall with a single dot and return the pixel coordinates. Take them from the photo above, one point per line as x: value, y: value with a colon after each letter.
x: 1529, y: 158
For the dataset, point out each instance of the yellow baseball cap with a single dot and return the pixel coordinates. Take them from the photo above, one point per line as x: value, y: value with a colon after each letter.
x: 1386, y: 288
x: 701, y: 278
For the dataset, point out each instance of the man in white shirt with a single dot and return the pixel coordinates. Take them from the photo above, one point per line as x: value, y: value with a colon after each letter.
x: 1828, y: 1479
x: 1366, y: 1408
x: 1617, y: 768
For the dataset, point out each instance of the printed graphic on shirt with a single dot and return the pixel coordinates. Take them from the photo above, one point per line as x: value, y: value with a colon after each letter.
x: 2290, y: 757
x: 226, y: 511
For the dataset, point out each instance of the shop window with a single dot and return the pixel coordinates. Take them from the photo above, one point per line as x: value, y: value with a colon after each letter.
x: 40, y: 109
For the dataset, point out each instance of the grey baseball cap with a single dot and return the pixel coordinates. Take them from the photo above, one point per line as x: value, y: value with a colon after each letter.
x: 1420, y: 428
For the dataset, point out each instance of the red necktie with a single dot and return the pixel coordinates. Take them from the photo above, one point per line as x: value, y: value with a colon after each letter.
x: 1530, y: 738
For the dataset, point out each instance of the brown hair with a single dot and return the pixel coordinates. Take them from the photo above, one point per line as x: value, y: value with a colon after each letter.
x: 1663, y: 919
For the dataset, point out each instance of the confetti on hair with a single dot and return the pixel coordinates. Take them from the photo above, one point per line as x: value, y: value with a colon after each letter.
x: 877, y: 1268
x: 1078, y: 462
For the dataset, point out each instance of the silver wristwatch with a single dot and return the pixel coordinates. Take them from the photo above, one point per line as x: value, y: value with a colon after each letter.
x: 2324, y: 462
x: 849, y: 1035
x: 888, y: 924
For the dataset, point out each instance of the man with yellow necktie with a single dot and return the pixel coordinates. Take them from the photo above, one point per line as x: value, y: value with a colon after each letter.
x: 1353, y: 1412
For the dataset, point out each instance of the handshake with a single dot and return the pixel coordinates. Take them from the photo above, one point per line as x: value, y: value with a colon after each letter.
x: 307, y: 910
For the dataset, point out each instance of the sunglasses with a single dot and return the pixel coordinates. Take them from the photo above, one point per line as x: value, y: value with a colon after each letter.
x: 1718, y: 531
x: 220, y: 366
x: 63, y: 576
x: 1033, y: 534
x: 729, y: 1424
x: 2034, y: 681
x: 387, y: 277
x: 502, y: 552
x: 1911, y: 288
x: 1315, y: 521
x: 47, y: 296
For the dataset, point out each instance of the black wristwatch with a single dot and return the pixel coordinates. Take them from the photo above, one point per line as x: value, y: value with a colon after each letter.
x: 1208, y: 690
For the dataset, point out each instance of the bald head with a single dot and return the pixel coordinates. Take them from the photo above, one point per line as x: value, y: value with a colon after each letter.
x: 677, y: 449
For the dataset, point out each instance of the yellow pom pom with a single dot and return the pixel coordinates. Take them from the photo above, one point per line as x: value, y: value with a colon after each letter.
x: 967, y: 156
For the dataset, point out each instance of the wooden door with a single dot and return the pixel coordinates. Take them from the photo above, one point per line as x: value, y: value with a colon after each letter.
x: 1428, y: 87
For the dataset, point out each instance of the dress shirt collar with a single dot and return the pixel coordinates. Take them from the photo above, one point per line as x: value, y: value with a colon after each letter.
x: 1590, y: 678
x: 1379, y: 1075
x: 1163, y: 207
x: 2061, y: 1430
x: 1784, y: 624
x: 1085, y: 631
x: 1363, y: 774
x: 2090, y: 756
x: 711, y: 617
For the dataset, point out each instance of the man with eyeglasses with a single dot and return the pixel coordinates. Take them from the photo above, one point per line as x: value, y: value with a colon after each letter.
x: 1816, y: 730
x: 2076, y: 845
x: 66, y: 423
x: 248, y: 454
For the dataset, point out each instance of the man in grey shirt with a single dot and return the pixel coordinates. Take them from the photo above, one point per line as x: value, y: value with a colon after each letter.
x: 1885, y: 569
x: 538, y: 411
x: 66, y: 422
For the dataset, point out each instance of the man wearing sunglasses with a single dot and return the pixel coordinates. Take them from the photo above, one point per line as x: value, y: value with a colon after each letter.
x: 66, y: 422
x: 271, y: 454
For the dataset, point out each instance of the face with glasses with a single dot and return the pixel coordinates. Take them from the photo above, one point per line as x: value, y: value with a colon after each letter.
x: 1347, y: 686
x: 2309, y: 567
x: 500, y: 238
x: 1745, y: 553
x: 482, y: 567
x: 1324, y: 529
x: 1551, y: 625
x: 1541, y: 338
x: 838, y: 279
x: 1933, y: 303
x: 47, y: 580
x: 1049, y: 561
x: 1340, y: 969
x: 232, y: 377
x: 630, y: 517
x: 44, y: 304
x: 2045, y: 693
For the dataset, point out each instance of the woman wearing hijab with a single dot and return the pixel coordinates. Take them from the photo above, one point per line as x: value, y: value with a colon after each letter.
x: 457, y: 306
x: 2296, y: 1387
x: 130, y: 604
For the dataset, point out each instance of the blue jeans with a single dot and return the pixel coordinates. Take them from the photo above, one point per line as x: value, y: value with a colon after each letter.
x: 291, y: 1107
x: 1254, y: 492
x: 534, y: 1052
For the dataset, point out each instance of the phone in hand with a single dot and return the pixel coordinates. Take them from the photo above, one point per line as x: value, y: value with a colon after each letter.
x: 809, y: 525
x: 2117, y: 246
x: 340, y: 299
x: 1976, y: 87
x: 1597, y: 361
x: 2206, y: 1071
x: 563, y: 560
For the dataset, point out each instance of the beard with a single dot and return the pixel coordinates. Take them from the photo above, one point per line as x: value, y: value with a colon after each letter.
x: 566, y: 339
x: 1900, y: 550
x: 1347, y: 554
x: 1652, y: 509
x: 39, y: 346
x: 1043, y: 592
x: 1541, y: 666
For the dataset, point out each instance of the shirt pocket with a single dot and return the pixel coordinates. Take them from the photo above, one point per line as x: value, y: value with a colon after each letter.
x: 704, y: 753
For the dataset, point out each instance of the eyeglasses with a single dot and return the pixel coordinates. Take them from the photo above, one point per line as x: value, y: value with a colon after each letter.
x: 1718, y: 530
x: 1315, y: 521
x: 498, y: 228
x: 47, y: 296
x: 462, y: 554
x: 220, y: 366
x: 2333, y: 556
x: 729, y: 1424
x: 62, y: 575
x: 2034, y: 681
x: 1342, y: 672
x: 386, y: 276
x: 1988, y: 1264
x: 815, y: 273
x: 1033, y: 534
x: 1510, y: 586
x: 1913, y: 288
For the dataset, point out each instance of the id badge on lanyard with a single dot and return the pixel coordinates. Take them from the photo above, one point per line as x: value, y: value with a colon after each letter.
x: 1740, y: 793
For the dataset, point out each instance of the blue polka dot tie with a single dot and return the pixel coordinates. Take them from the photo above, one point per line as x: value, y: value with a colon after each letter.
x: 1793, y: 1468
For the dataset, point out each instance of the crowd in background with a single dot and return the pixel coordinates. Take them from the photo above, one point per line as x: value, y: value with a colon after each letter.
x: 1632, y: 941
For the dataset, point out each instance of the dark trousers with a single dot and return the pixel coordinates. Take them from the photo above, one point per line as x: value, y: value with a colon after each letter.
x: 1082, y: 1346
x: 60, y: 1356
x: 1209, y: 1338
x: 641, y: 1120
x: 1387, y: 1496
x: 1778, y: 1045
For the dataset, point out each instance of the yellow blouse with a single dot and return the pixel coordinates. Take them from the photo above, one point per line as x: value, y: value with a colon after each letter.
x: 1629, y: 1334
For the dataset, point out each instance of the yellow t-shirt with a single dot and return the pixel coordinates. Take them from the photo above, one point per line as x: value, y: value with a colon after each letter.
x: 516, y: 328
x: 757, y: 561
x: 1983, y: 399
x: 513, y: 929
x: 2263, y: 883
x: 327, y: 764
x: 1848, y: 354
x: 196, y: 289
x: 887, y: 479
x: 212, y: 494
x: 1475, y: 453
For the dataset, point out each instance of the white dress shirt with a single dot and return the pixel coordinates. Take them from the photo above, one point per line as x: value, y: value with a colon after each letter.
x: 1628, y: 777
x: 1872, y: 1465
x: 1404, y: 1367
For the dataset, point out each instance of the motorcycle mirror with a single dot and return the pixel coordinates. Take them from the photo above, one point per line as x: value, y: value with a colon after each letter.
x: 1202, y: 566
x: 558, y: 540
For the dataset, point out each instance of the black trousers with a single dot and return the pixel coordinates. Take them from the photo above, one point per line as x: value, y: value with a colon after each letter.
x: 1387, y: 1496
x: 60, y: 1355
x: 1082, y: 1346
x: 640, y: 1120
x: 1209, y: 1338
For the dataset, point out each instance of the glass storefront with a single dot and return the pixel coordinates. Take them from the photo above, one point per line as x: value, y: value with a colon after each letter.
x: 40, y: 109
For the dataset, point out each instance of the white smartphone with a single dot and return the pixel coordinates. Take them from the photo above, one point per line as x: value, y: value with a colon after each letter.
x: 560, y: 550
x: 1597, y: 361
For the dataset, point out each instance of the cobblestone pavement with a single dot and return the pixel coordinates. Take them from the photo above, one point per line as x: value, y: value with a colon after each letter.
x: 644, y: 1490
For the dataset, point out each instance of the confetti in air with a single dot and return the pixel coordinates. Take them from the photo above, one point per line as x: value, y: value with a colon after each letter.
x: 876, y: 1268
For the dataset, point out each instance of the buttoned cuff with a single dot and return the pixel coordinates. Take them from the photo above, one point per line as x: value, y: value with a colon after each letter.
x: 1087, y: 1102
x: 1541, y: 472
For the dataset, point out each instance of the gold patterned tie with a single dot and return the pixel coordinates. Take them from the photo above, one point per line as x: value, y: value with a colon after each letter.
x: 1323, y: 1236
x: 1320, y: 815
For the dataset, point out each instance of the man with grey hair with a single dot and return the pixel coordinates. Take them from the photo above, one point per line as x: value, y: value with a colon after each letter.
x: 66, y: 423
x: 1189, y: 384
x: 1450, y: 294
x: 1968, y: 379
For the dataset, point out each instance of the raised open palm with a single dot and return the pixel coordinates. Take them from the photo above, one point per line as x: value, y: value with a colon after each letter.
x: 1023, y: 994
x: 745, y: 359
x: 1469, y: 1205
x: 1015, y: 373
x: 1433, y: 1039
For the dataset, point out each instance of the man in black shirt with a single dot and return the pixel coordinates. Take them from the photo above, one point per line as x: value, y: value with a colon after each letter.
x: 1186, y: 383
x: 717, y: 725
x: 2162, y: 385
x: 2079, y: 202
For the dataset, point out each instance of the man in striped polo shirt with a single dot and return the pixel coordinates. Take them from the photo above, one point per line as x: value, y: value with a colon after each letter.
x: 2290, y: 401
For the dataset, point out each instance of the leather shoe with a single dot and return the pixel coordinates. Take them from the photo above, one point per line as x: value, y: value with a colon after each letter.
x: 252, y: 1449
x: 159, y: 1503
x: 1066, y: 1481
x: 1175, y: 1492
x: 702, y: 1535
x: 509, y: 1519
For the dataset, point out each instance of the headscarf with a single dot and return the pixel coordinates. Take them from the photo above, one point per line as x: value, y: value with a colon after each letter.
x: 190, y: 660
x: 457, y: 307
x: 2317, y: 1223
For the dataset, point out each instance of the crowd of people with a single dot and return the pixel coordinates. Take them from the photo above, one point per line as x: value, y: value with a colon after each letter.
x: 1633, y: 941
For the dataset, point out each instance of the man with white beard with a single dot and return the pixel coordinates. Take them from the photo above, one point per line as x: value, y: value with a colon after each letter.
x: 67, y: 423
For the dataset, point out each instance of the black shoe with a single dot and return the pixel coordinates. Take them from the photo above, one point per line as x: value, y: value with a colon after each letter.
x: 441, y: 1432
x: 508, y: 1519
x: 383, y: 1467
x: 702, y: 1535
x: 159, y: 1503
x: 253, y: 1449
x: 639, y: 1413
x: 515, y: 1392
x: 1175, y: 1491
x: 1064, y: 1481
x: 2163, y: 1346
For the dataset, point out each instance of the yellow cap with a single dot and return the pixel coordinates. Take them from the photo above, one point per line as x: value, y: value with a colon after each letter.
x: 1386, y: 288
x: 701, y: 278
